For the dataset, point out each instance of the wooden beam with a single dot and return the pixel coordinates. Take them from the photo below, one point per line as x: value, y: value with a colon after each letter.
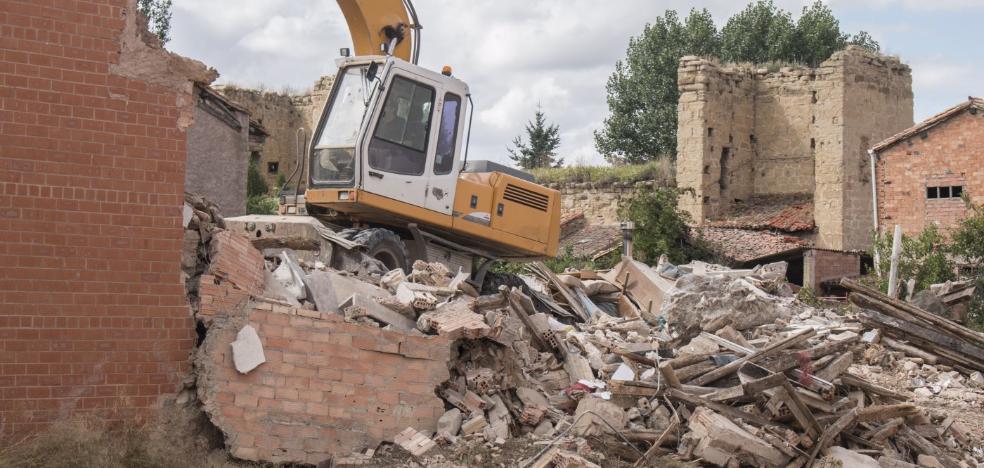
x: 733, y: 366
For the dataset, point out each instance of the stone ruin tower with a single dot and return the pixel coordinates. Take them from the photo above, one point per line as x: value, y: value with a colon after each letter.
x: 746, y: 134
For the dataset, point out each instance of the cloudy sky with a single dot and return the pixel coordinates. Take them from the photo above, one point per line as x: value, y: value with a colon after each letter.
x: 559, y: 53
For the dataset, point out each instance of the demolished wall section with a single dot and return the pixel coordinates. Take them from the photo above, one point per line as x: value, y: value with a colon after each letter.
x: 327, y: 387
x: 93, y: 316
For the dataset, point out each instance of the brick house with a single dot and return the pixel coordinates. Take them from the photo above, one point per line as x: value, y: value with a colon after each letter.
x: 93, y: 147
x: 923, y: 172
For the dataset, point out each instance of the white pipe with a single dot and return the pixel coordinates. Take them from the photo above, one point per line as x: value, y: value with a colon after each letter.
x: 874, y: 208
x: 893, y: 273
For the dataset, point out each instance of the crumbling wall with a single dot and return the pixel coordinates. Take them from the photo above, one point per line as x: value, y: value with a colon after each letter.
x: 598, y: 203
x: 282, y: 115
x: 218, y: 151
x: 716, y: 148
x: 950, y: 154
x: 747, y: 131
x: 92, y: 164
x: 876, y: 96
x: 327, y: 387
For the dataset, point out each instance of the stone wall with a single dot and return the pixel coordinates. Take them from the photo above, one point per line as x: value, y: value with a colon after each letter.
x: 745, y: 131
x: 951, y: 154
x: 218, y: 152
x: 282, y: 115
x: 598, y: 203
x: 93, y: 314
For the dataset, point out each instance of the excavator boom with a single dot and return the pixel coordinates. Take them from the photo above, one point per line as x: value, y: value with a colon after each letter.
x: 377, y: 25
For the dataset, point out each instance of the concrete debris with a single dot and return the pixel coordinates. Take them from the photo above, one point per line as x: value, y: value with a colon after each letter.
x: 247, y: 350
x: 693, y: 362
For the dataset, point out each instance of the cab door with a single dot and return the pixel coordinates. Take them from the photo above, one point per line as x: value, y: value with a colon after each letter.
x: 446, y: 162
x: 400, y: 145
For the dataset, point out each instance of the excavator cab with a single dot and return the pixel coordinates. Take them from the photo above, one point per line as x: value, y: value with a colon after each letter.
x: 393, y: 129
x: 388, y: 159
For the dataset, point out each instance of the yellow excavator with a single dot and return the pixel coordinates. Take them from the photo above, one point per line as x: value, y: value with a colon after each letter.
x: 388, y: 167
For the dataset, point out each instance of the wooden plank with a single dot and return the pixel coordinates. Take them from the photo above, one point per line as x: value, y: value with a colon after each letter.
x: 666, y: 370
x: 689, y: 360
x: 695, y: 401
x: 754, y: 387
x: 850, y: 379
x: 832, y: 431
x: 883, y: 412
x: 927, y: 357
x: 973, y: 355
x: 565, y: 292
x: 802, y: 414
x: 725, y: 394
x: 836, y: 368
x: 733, y: 366
x: 897, y: 305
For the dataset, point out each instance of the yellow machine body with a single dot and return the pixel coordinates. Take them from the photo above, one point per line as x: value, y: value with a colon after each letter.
x: 526, y: 225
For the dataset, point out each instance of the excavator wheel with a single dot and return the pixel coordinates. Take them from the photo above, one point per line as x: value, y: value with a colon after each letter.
x: 384, y: 245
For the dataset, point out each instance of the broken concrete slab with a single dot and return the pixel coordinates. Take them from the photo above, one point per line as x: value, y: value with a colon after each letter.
x: 592, y: 414
x: 378, y: 312
x: 247, y: 350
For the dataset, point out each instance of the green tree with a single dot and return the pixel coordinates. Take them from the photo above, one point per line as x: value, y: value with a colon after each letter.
x: 642, y: 95
x: 923, y: 258
x: 255, y: 184
x: 661, y: 228
x: 540, y: 149
x: 760, y: 33
x: 968, y: 240
x: 158, y: 13
x: 643, y: 92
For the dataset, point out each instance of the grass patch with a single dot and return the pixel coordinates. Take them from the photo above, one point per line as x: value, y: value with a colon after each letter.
x: 661, y: 171
x: 179, y: 437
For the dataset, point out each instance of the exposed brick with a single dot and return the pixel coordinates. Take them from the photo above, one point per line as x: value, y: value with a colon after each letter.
x: 320, y: 407
x: 950, y: 154
x: 90, y: 214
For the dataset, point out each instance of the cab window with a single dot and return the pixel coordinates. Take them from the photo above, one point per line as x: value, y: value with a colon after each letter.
x: 399, y: 144
x: 447, y: 134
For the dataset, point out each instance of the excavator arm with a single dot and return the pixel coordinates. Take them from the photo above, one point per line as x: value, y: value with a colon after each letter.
x: 378, y: 26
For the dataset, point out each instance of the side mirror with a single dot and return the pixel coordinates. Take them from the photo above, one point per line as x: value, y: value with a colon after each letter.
x: 372, y: 71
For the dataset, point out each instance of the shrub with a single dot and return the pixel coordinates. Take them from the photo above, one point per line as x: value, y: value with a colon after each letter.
x: 255, y: 184
x: 923, y: 258
x: 262, y: 204
x: 661, y: 228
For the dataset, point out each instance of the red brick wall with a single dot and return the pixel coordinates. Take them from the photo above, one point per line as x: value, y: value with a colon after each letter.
x: 951, y: 154
x: 328, y: 387
x: 93, y: 316
x: 826, y: 265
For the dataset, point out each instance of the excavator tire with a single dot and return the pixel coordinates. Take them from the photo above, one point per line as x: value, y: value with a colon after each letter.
x: 384, y: 245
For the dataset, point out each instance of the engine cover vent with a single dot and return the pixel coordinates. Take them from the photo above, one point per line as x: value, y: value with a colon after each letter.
x: 516, y: 194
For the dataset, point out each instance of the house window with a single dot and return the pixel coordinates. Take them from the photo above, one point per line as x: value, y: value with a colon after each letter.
x: 273, y: 167
x: 944, y: 192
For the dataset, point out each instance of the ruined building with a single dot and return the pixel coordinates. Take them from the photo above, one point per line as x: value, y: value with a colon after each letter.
x: 924, y: 172
x: 219, y: 144
x: 282, y: 115
x: 782, y: 154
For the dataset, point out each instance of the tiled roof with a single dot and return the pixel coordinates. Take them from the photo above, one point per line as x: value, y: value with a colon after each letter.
x: 929, y: 123
x: 789, y: 213
x: 742, y: 245
x: 585, y: 240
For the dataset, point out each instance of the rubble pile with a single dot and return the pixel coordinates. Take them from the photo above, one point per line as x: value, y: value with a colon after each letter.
x: 691, y: 362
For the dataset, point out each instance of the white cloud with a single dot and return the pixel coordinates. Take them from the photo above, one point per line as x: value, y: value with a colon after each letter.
x: 514, y: 53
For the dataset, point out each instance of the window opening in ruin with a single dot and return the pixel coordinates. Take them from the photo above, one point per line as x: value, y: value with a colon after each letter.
x: 731, y: 138
x: 944, y: 192
x: 710, y: 131
x: 273, y: 167
x: 725, y: 170
x: 814, y: 98
x: 399, y: 144
x: 814, y: 119
x: 707, y: 169
x: 813, y: 143
x: 752, y: 139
